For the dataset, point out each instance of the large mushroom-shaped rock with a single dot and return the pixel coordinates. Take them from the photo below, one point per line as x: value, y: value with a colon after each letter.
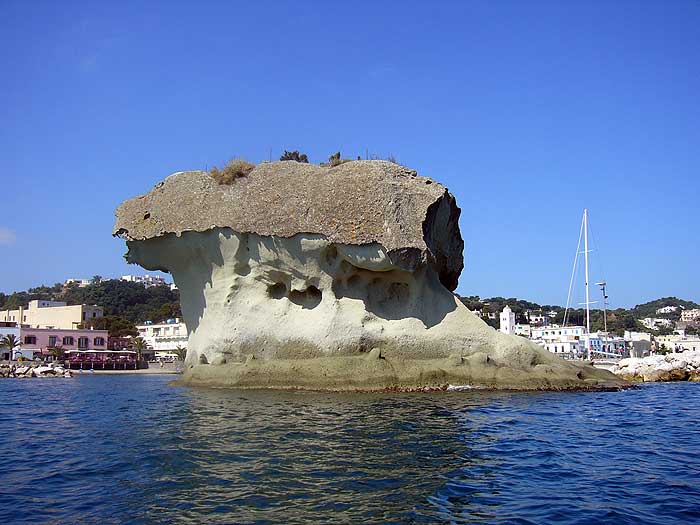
x: 303, y: 276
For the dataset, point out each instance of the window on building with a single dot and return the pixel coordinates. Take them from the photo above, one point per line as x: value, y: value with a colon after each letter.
x: 68, y: 340
x: 94, y: 314
x: 82, y: 342
x: 99, y: 341
x: 29, y: 340
x: 52, y: 340
x: 84, y: 316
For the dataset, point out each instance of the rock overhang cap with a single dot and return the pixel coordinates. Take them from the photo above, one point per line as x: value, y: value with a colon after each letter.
x: 356, y: 203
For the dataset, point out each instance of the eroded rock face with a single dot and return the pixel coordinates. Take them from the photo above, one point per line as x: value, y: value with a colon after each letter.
x: 337, y: 278
x: 356, y: 203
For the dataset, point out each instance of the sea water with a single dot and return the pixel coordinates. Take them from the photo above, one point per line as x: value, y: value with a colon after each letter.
x: 134, y: 449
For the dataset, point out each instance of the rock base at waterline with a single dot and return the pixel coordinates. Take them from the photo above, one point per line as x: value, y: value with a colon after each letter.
x: 373, y: 372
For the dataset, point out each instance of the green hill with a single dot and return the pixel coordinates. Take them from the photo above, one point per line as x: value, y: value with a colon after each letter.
x: 125, y: 303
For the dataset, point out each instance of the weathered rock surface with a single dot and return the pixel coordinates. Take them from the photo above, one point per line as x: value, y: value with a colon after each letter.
x: 356, y: 203
x: 302, y: 276
x: 683, y: 366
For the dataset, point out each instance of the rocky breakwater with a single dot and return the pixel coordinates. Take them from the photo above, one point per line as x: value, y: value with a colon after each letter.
x: 26, y: 371
x: 684, y: 366
x: 337, y: 278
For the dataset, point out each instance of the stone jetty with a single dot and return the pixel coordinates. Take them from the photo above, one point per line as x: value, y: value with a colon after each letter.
x: 26, y: 371
x: 682, y: 366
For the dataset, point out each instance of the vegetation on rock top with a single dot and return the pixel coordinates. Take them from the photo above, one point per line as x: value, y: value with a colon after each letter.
x: 235, y: 169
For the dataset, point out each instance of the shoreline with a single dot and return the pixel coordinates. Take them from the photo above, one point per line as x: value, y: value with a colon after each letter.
x: 163, y: 371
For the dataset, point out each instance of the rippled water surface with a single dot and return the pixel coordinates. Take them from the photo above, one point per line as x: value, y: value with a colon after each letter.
x: 133, y: 449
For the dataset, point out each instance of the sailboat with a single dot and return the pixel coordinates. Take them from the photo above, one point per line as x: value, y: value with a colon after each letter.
x: 583, y: 235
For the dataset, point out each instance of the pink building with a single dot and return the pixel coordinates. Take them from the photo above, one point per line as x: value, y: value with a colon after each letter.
x: 37, y: 341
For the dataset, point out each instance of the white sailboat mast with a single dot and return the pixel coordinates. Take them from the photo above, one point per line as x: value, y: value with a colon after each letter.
x: 588, y: 302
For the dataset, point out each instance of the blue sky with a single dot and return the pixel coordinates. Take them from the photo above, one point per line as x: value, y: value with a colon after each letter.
x: 527, y: 111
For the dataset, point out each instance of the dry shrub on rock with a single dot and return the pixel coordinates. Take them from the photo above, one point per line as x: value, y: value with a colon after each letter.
x: 235, y: 169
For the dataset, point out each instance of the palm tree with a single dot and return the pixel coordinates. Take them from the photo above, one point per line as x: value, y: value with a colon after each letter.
x: 138, y: 344
x: 10, y: 342
x: 58, y: 353
x: 180, y: 352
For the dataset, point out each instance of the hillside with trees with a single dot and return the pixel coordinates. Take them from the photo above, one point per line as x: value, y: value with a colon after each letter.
x: 649, y: 309
x: 618, y: 320
x: 125, y: 303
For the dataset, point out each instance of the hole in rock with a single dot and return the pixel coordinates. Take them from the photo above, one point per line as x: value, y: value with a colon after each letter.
x: 354, y: 281
x: 277, y: 290
x: 388, y: 295
x: 146, y: 216
x: 309, y: 298
x: 203, y: 360
x: 241, y: 268
x: 330, y: 255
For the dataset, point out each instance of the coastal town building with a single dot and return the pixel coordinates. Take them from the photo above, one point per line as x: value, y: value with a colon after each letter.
x: 677, y: 343
x: 11, y: 329
x: 524, y: 330
x: 42, y: 342
x: 656, y: 323
x: 689, y: 316
x: 164, y: 338
x: 666, y: 310
x: 568, y: 349
x: 507, y: 321
x: 146, y: 280
x: 538, y: 318
x: 569, y: 341
x: 556, y: 332
x: 82, y: 283
x: 562, y: 340
x: 51, y: 314
x: 637, y: 336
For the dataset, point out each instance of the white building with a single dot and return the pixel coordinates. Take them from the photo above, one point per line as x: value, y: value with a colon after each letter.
x: 565, y: 349
x: 556, y: 332
x: 164, y: 338
x: 607, y: 344
x: 146, y: 280
x: 565, y: 341
x: 524, y: 330
x: 688, y: 316
x: 677, y: 343
x: 537, y: 319
x: 569, y: 341
x: 507, y: 321
x: 82, y: 283
x: 655, y: 323
x: 637, y: 336
x: 667, y: 310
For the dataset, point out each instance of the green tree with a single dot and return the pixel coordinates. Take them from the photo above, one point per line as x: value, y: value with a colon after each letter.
x: 139, y: 345
x: 10, y: 341
x: 295, y: 156
x: 57, y: 352
x: 116, y: 325
x: 180, y: 352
